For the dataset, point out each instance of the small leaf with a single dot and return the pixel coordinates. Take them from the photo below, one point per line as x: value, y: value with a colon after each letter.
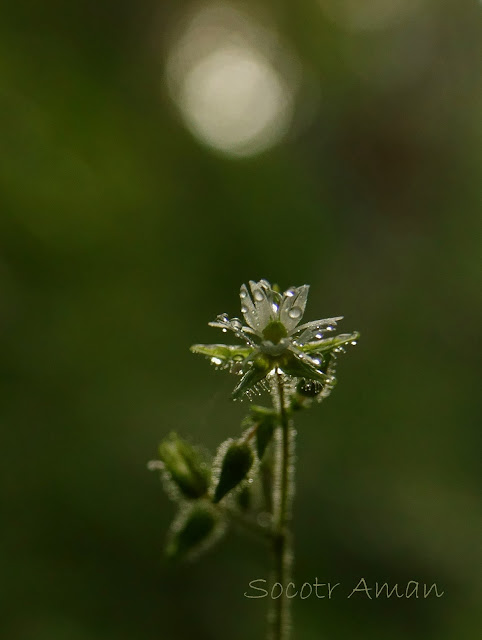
x: 237, y: 460
x: 194, y: 531
x: 249, y: 380
x: 223, y: 356
x: 299, y: 369
x: 264, y: 433
x: 184, y: 466
x: 330, y: 344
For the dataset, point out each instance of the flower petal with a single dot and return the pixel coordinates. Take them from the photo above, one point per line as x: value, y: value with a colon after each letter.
x: 293, y: 306
x: 262, y: 303
x: 249, y: 310
x: 235, y: 325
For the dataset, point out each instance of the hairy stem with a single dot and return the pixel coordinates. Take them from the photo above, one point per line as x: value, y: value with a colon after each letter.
x: 282, y: 495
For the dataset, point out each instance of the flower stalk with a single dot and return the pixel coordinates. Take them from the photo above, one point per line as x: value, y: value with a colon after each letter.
x: 280, y: 615
x: 250, y: 481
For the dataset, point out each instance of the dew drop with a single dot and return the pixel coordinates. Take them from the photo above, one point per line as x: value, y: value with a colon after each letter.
x: 236, y: 323
x: 216, y: 361
x: 243, y: 294
x: 319, y: 336
x: 290, y: 293
x: 264, y: 519
x: 295, y: 313
x: 353, y: 343
x: 224, y: 330
x: 244, y: 309
x: 258, y: 296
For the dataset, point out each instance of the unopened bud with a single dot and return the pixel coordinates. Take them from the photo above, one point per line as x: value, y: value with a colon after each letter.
x: 185, y: 467
x: 194, y: 531
x: 236, y: 462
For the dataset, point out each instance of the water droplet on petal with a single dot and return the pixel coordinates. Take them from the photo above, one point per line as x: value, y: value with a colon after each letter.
x: 243, y: 294
x: 319, y: 336
x: 236, y: 323
x: 225, y: 330
x: 216, y: 361
x: 353, y: 342
x: 244, y: 309
x: 295, y: 313
x: 258, y: 296
x: 290, y: 293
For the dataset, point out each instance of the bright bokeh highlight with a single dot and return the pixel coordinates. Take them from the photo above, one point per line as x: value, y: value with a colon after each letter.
x: 232, y: 81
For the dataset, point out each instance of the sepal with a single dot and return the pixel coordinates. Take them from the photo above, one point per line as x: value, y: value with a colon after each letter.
x: 223, y: 356
x: 331, y: 344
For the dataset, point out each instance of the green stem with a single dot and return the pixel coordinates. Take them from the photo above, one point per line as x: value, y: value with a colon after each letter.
x: 280, y: 613
x: 249, y: 524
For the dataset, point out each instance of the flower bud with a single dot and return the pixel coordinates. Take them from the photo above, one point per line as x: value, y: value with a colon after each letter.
x: 184, y: 467
x: 236, y: 462
x: 194, y: 531
x: 264, y: 433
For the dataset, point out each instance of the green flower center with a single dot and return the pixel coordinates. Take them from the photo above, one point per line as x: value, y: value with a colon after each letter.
x: 275, y: 331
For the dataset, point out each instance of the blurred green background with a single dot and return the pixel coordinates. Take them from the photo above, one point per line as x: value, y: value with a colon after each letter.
x: 156, y: 155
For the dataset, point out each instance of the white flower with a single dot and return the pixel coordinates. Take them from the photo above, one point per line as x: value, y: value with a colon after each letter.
x: 274, y: 339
